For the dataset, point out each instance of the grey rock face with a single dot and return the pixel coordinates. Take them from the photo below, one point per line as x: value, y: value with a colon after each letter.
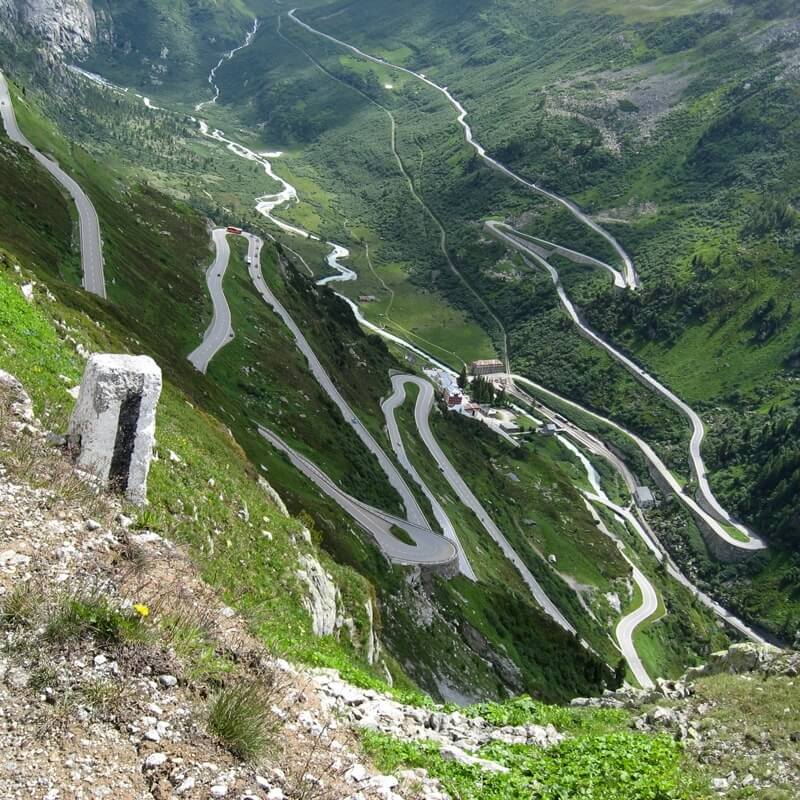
x: 273, y: 496
x: 114, y: 421
x: 63, y: 26
x: 321, y: 598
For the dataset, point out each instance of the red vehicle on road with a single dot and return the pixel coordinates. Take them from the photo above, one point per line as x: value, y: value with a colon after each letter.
x: 233, y: 229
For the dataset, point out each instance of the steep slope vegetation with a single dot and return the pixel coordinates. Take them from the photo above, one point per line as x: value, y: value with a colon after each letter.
x: 156, y: 252
x: 677, y: 129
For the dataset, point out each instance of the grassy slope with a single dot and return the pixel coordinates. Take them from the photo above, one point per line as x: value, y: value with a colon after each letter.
x: 720, y: 330
x: 260, y: 375
x: 257, y: 574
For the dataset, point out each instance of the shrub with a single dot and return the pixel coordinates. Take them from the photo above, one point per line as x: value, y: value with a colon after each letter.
x: 240, y: 718
x: 92, y: 615
x: 20, y: 606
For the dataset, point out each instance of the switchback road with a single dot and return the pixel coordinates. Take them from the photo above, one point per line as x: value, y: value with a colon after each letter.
x: 220, y: 331
x: 413, y: 511
x: 712, y: 512
x: 422, y: 411
x: 429, y: 548
x: 90, y: 241
x: 466, y: 496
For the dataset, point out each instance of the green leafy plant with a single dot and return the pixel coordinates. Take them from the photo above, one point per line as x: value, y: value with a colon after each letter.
x: 526, y: 711
x: 77, y: 615
x: 618, y: 766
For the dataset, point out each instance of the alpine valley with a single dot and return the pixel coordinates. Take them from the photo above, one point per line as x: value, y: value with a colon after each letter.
x: 476, y: 469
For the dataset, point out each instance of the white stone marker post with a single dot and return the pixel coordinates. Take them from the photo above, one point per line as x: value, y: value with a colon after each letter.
x: 114, y: 421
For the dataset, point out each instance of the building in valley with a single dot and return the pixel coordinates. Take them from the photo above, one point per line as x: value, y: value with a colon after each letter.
x: 486, y: 367
x: 644, y: 498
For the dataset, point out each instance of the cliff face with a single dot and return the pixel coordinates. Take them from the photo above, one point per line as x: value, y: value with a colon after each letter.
x: 59, y: 26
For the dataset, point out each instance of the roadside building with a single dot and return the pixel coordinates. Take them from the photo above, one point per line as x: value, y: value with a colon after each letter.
x: 549, y: 429
x: 367, y: 298
x: 644, y: 497
x: 453, y: 399
x: 486, y: 367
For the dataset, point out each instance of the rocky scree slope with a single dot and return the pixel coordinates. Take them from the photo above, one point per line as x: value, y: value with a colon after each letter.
x: 122, y: 673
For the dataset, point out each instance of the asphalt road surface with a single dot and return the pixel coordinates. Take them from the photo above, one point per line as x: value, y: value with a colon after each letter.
x: 429, y: 548
x: 422, y: 411
x: 630, y: 622
x: 712, y: 512
x: 91, y: 242
x: 220, y: 331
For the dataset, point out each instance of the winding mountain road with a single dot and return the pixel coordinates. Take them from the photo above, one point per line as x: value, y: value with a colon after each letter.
x: 630, y: 276
x: 715, y: 515
x: 91, y: 242
x: 465, y: 494
x: 220, y: 331
x: 429, y: 548
x: 413, y: 511
x: 627, y: 624
x: 422, y: 410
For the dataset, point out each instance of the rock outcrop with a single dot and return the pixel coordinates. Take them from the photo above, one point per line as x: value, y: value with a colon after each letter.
x: 60, y: 26
x: 454, y: 732
x: 273, y: 496
x: 321, y: 600
x: 746, y: 657
x: 696, y: 710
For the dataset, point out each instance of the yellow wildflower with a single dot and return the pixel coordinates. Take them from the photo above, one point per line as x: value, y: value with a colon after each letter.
x: 142, y: 610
